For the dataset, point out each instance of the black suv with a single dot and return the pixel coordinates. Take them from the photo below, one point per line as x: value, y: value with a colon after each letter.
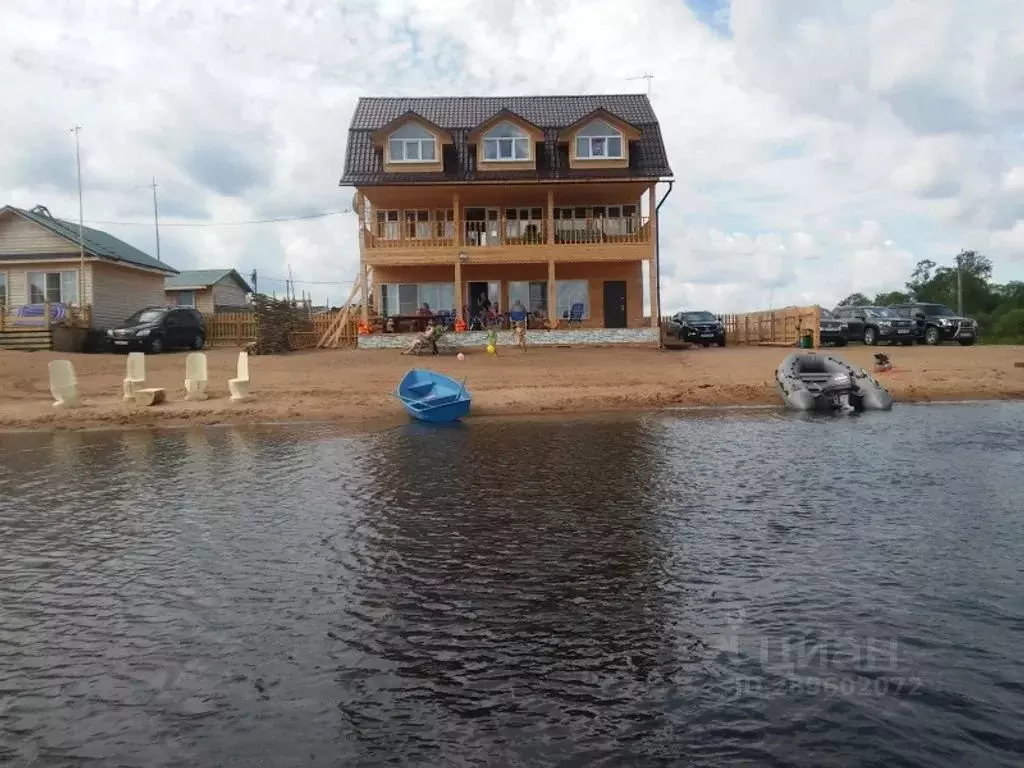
x: 937, y: 322
x: 831, y: 330
x: 155, y: 329
x: 699, y: 327
x: 874, y: 324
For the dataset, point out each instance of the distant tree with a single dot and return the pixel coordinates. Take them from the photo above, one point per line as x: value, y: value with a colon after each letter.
x: 891, y: 297
x: 855, y: 300
x: 1010, y: 326
x: 920, y: 278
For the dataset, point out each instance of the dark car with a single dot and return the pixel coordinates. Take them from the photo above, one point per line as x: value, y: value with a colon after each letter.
x: 700, y: 328
x: 155, y: 329
x: 937, y: 322
x: 831, y: 330
x: 874, y: 324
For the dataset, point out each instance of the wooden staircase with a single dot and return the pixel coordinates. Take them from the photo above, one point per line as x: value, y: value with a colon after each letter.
x: 27, y: 339
x: 341, y: 333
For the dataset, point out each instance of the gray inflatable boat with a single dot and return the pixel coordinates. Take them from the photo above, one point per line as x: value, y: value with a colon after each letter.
x: 817, y: 382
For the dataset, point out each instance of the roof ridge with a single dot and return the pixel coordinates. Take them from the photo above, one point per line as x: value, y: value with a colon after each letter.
x: 506, y: 96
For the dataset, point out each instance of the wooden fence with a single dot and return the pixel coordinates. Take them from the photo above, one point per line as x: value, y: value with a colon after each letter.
x: 775, y: 327
x: 236, y: 329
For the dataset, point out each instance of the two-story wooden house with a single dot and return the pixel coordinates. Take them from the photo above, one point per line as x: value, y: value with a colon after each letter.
x: 541, y: 201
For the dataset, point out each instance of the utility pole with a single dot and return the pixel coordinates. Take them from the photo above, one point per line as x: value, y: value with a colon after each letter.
x: 291, y: 283
x: 646, y: 76
x: 81, y: 220
x: 156, y: 220
x: 959, y: 284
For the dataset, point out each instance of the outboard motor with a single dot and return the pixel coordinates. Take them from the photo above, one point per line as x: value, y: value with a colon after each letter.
x: 839, y: 387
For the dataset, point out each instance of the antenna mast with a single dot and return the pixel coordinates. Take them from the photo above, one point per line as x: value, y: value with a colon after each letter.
x: 646, y: 76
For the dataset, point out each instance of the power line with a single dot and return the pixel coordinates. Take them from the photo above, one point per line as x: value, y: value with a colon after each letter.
x: 222, y: 223
x: 307, y: 282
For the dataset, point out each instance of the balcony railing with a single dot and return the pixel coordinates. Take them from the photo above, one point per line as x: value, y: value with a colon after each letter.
x: 509, y: 232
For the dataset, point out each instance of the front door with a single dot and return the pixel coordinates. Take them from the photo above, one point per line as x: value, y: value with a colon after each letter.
x: 614, y: 303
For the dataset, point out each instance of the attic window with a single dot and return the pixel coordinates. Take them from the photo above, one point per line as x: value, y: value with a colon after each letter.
x: 412, y: 143
x: 505, y: 143
x: 599, y: 141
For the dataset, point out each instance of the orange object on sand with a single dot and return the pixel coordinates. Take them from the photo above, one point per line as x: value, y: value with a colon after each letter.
x: 460, y: 324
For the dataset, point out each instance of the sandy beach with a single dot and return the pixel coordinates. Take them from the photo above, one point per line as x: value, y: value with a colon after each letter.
x: 353, y: 387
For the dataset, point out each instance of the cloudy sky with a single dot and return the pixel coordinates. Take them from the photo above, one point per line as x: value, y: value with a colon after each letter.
x: 819, y: 146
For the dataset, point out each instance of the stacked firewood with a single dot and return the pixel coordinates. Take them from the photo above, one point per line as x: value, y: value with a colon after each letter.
x: 275, y: 320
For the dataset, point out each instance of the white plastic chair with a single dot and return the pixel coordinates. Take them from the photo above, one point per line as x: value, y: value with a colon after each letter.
x: 239, y: 386
x: 64, y: 384
x: 195, y: 376
x: 135, y: 376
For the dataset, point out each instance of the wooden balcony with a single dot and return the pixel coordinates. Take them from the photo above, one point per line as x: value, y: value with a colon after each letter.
x: 499, y: 239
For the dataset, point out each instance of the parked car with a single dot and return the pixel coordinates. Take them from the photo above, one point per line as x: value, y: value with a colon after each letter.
x: 935, y: 323
x: 831, y: 330
x: 700, y: 328
x: 155, y: 329
x: 874, y: 324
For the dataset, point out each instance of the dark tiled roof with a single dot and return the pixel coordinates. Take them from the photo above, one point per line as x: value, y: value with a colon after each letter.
x: 460, y: 115
x: 96, y: 242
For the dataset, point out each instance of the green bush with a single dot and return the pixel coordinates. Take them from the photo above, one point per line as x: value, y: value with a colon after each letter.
x: 1010, y: 326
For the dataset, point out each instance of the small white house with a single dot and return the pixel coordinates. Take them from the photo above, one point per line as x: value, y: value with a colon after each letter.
x: 40, y: 265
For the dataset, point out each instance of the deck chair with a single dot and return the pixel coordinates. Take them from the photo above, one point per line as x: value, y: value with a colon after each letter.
x: 575, y: 315
x: 195, y: 376
x: 239, y: 386
x: 135, y: 374
x: 63, y: 384
x: 421, y: 344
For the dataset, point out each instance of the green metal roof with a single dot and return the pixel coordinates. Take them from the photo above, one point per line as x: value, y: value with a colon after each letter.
x: 96, y: 242
x: 201, y: 278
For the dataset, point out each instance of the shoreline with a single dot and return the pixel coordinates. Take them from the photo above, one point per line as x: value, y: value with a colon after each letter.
x: 352, y: 389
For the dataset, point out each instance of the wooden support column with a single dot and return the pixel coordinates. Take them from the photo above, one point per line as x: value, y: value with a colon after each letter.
x: 552, y: 295
x: 655, y: 304
x: 551, y: 219
x: 364, y: 293
x: 458, y: 287
x: 457, y: 226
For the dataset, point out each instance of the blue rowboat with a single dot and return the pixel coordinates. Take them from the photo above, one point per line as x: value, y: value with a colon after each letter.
x: 433, y: 397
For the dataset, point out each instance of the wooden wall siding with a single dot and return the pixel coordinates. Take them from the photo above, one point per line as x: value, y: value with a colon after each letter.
x: 18, y: 236
x: 534, y: 254
x: 227, y: 293
x: 120, y: 292
x: 595, y: 273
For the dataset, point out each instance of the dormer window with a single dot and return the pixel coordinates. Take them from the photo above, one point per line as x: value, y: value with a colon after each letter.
x: 599, y: 141
x: 506, y: 142
x: 412, y: 143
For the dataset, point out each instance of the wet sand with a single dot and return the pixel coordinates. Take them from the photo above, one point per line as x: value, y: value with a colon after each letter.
x: 354, y: 387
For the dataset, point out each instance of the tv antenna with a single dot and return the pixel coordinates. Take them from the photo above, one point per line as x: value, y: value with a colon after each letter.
x: 646, y: 76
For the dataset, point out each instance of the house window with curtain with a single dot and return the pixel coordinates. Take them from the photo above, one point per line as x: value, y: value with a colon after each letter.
x: 616, y: 219
x: 444, y: 223
x: 417, y: 225
x: 53, y: 287
x: 526, y: 223
x: 599, y: 141
x: 412, y: 143
x: 506, y: 143
x: 388, y: 226
x: 3, y: 289
x: 569, y: 292
x: 407, y: 298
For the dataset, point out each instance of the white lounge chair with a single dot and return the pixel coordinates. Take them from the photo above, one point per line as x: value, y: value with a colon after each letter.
x: 195, y: 376
x: 239, y: 387
x: 135, y: 377
x: 64, y: 384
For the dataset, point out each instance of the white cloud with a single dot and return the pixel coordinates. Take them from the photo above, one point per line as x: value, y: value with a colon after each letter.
x: 820, y: 148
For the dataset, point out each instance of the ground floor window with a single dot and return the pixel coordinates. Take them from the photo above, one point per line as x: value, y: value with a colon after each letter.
x: 3, y: 289
x: 184, y: 299
x: 53, y: 287
x: 569, y: 292
x: 407, y: 298
x: 532, y: 295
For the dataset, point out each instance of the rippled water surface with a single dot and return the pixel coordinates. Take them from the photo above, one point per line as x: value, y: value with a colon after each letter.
x: 732, y: 589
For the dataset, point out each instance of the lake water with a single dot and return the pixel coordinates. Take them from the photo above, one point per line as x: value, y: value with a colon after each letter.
x: 740, y: 588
